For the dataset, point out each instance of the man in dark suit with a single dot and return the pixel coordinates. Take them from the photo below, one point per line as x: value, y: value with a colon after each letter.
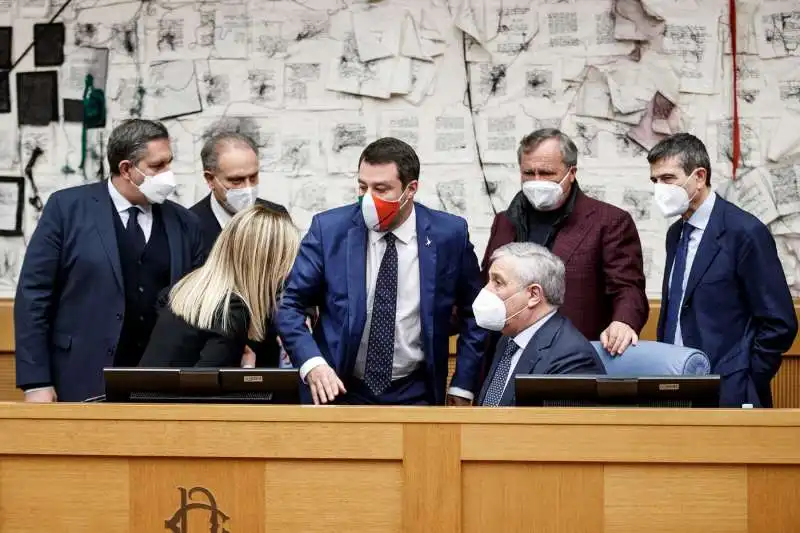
x: 86, y: 297
x: 526, y: 286
x: 598, y: 242
x: 385, y: 273
x: 231, y: 169
x: 724, y: 290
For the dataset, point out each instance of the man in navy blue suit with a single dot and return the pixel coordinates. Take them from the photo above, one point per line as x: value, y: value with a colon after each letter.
x: 521, y: 299
x: 724, y: 290
x: 101, y: 253
x: 386, y: 273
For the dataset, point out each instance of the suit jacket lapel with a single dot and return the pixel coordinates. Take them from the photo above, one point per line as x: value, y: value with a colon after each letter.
x: 172, y: 226
x: 427, y: 252
x: 708, y: 249
x: 209, y: 221
x: 540, y: 343
x: 575, y: 230
x: 356, y: 284
x: 103, y: 214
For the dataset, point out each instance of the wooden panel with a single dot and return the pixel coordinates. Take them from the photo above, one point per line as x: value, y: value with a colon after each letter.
x: 198, y: 439
x: 670, y: 498
x: 6, y: 325
x: 8, y: 388
x: 52, y: 494
x: 773, y: 496
x: 557, y: 498
x: 641, y: 444
x: 189, y: 493
x: 432, y: 478
x: 786, y: 385
x: 327, y: 496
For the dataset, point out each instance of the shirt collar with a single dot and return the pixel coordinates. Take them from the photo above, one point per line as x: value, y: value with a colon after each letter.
x: 700, y: 218
x: 222, y: 216
x: 524, y: 337
x: 404, y: 232
x: 121, y: 204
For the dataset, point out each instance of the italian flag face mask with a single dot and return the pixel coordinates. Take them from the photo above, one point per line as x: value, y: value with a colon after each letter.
x: 379, y: 214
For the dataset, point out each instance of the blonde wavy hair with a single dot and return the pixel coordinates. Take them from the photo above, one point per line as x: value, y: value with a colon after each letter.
x: 251, y: 258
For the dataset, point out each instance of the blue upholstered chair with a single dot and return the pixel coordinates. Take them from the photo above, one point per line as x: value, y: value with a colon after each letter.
x: 650, y: 358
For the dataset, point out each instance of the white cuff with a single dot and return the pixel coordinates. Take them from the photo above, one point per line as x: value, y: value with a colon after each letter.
x: 39, y: 388
x: 461, y: 393
x: 310, y: 365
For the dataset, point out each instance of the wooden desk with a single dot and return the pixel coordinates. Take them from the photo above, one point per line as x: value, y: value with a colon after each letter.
x: 76, y: 468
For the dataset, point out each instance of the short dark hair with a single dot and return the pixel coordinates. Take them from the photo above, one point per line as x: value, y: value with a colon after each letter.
x: 129, y: 140
x: 390, y: 150
x: 529, y: 143
x: 690, y: 151
x: 209, y: 154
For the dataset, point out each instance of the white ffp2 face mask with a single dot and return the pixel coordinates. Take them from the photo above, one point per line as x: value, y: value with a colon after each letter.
x: 542, y: 194
x: 157, y: 188
x: 672, y: 200
x: 490, y: 310
x: 241, y: 199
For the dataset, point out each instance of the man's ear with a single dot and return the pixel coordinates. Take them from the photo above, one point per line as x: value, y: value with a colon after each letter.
x: 125, y: 168
x: 412, y: 188
x: 534, y: 293
x: 209, y: 178
x: 701, y: 175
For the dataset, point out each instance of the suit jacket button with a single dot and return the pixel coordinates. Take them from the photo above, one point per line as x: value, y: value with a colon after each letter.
x: 119, y: 316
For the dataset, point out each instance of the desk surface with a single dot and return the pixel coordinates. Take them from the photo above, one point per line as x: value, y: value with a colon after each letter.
x: 125, y: 468
x: 486, y: 434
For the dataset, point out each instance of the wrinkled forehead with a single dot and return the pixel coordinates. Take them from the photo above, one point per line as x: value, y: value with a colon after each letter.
x: 545, y: 156
x: 504, y: 269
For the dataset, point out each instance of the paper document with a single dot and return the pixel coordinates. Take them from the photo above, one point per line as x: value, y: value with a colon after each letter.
x: 692, y: 40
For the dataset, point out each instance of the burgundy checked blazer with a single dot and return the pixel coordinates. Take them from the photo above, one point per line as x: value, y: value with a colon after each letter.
x: 602, y: 253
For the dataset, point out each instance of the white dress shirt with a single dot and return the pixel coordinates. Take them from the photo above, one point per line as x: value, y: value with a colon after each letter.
x: 522, y: 339
x: 408, y: 353
x: 222, y: 216
x: 698, y: 220
x: 121, y: 204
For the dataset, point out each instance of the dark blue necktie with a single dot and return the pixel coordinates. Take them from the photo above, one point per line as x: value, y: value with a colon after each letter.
x: 380, y: 346
x: 134, y: 230
x: 676, y: 285
x: 494, y: 393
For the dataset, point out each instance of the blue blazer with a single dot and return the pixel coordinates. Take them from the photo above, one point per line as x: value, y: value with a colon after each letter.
x: 737, y: 307
x: 330, y: 272
x: 70, y: 300
x: 557, y: 348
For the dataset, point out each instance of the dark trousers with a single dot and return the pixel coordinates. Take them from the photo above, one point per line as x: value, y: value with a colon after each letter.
x: 410, y: 390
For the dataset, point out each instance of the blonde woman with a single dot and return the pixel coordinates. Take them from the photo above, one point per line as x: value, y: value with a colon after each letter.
x: 211, y: 314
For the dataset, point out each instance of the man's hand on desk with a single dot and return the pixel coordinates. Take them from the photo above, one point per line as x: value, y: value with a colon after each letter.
x: 43, y: 395
x: 325, y: 385
x: 457, y: 401
x: 617, y: 337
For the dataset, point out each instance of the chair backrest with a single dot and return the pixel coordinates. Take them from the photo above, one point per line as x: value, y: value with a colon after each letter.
x: 650, y: 358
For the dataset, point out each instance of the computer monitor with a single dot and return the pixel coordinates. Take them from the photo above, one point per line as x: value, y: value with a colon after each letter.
x: 202, y: 385
x: 595, y: 391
